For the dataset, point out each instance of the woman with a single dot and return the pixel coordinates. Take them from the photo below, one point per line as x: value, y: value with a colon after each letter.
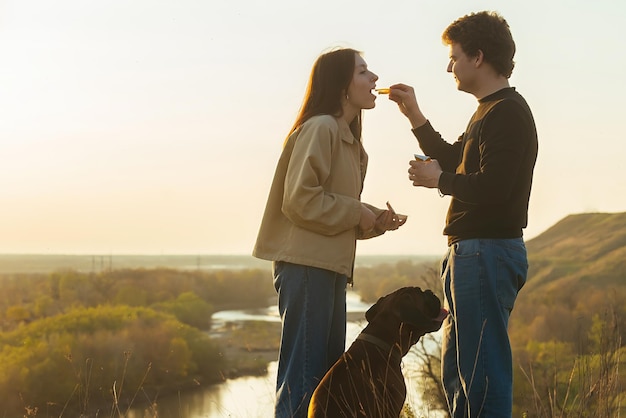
x: 312, y: 220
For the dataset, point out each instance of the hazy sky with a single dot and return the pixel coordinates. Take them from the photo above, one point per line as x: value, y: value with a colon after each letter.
x: 152, y: 126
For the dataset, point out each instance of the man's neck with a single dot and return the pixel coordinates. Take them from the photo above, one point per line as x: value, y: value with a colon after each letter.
x: 491, y: 86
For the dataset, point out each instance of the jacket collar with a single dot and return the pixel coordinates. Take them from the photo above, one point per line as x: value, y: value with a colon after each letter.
x: 344, y: 131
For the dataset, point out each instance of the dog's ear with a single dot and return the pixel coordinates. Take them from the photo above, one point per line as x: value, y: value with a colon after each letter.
x: 371, y: 313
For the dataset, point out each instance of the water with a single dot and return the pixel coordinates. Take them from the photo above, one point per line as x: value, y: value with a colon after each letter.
x: 253, y: 397
x: 354, y: 306
x: 245, y: 397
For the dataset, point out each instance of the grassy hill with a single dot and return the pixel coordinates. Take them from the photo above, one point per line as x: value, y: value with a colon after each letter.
x: 577, y: 272
x: 580, y: 250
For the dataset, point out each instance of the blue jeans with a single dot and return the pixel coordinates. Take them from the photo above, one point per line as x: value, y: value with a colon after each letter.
x: 481, y: 279
x: 312, y: 306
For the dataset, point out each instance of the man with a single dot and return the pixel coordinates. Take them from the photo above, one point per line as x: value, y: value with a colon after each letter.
x: 488, y: 174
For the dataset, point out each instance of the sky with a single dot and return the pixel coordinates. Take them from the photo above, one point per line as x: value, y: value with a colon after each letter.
x: 154, y: 127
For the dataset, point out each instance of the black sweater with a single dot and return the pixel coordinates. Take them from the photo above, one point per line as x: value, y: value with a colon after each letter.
x: 488, y: 171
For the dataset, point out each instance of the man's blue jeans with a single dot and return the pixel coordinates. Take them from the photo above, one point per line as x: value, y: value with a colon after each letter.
x: 312, y: 306
x: 481, y: 279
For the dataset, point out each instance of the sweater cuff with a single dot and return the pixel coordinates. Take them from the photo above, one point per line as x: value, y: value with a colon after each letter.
x: 445, y: 183
x: 423, y: 130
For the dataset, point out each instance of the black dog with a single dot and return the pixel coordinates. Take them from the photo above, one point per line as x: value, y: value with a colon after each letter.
x: 367, y: 380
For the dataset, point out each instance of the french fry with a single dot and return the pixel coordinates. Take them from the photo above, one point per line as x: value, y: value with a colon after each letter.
x: 390, y: 208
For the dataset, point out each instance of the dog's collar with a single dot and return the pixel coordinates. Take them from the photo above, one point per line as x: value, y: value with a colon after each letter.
x: 387, y: 348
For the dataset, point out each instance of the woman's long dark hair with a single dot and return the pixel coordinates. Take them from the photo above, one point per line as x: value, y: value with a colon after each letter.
x: 328, y: 84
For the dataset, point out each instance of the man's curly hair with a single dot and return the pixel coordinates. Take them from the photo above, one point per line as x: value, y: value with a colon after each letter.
x: 487, y: 32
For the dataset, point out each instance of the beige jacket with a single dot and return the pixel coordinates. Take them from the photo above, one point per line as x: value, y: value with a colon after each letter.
x: 313, y: 209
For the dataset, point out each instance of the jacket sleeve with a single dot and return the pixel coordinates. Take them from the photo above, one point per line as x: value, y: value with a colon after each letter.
x: 374, y: 232
x: 305, y: 202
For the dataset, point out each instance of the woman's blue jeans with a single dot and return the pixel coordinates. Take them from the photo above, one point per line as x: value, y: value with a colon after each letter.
x: 481, y: 279
x: 312, y: 306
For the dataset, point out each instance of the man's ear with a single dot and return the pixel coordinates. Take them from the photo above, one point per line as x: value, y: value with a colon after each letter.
x: 479, y: 59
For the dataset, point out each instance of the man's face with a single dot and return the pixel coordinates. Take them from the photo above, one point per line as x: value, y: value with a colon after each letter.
x: 463, y: 68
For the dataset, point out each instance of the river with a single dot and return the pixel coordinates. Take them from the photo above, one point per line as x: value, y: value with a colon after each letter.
x: 253, y: 397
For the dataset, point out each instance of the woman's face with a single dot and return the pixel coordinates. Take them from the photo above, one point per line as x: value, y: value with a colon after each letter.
x: 359, y: 94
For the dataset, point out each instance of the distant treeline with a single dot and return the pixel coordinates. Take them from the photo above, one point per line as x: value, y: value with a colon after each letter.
x: 27, y: 297
x: 381, y: 279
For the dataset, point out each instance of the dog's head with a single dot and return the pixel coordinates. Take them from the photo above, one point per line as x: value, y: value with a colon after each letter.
x: 416, y: 312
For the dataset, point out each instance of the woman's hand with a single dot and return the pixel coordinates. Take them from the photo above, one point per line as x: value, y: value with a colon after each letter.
x: 389, y: 220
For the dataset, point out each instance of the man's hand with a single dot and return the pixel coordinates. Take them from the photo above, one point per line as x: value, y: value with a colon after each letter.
x: 425, y: 173
x: 404, y: 96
